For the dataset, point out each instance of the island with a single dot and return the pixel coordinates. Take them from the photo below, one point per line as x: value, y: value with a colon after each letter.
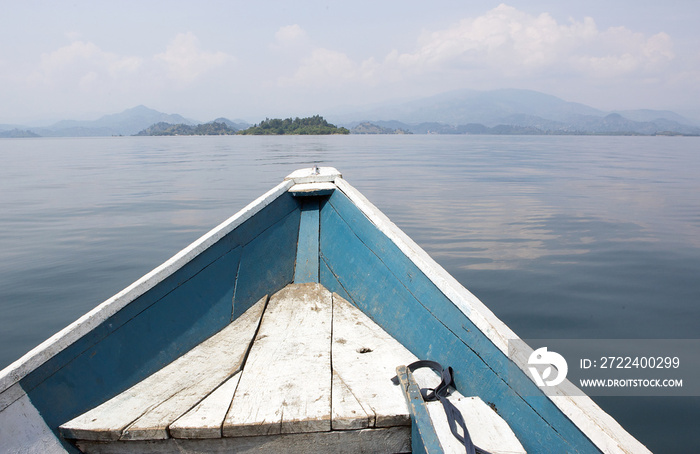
x: 18, y: 134
x: 315, y: 125
x: 181, y: 129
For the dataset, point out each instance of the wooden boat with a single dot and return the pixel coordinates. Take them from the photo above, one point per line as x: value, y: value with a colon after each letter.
x: 282, y: 330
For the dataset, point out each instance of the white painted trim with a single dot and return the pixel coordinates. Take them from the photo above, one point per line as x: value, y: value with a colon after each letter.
x: 59, y: 341
x: 603, y: 430
x: 302, y: 188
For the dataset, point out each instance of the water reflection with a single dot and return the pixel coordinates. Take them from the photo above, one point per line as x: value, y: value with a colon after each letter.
x: 474, y: 203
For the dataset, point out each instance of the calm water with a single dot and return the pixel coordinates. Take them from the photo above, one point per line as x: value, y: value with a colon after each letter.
x: 562, y: 237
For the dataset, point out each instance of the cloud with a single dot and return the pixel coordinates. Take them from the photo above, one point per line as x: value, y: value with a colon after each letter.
x: 185, y: 61
x: 290, y: 35
x: 516, y: 43
x: 330, y: 68
x: 502, y: 46
x: 83, y: 76
x: 82, y: 60
x: 323, y: 65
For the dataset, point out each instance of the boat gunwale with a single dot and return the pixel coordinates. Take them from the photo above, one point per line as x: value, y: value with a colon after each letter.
x: 49, y: 348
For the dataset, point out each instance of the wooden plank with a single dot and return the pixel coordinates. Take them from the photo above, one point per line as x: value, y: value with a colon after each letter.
x: 205, y: 420
x: 424, y: 437
x: 153, y: 424
x: 306, y: 268
x: 365, y: 357
x: 285, y: 386
x: 487, y: 429
x: 390, y: 440
x: 148, y: 407
x: 347, y: 412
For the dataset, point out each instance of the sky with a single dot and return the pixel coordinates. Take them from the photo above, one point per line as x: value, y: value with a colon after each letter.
x: 255, y: 59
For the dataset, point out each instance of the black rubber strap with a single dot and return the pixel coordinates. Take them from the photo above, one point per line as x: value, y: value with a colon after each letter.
x: 454, y: 417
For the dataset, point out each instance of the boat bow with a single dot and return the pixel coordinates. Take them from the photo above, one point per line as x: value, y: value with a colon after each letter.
x: 313, y: 229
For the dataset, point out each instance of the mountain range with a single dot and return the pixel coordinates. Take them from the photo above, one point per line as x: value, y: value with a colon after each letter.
x: 507, y: 111
x: 127, y: 122
x: 512, y: 111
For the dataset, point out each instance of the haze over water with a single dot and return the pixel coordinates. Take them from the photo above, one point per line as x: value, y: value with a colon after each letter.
x: 561, y: 237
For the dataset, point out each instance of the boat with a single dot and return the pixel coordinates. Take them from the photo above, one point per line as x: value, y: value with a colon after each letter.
x: 293, y: 326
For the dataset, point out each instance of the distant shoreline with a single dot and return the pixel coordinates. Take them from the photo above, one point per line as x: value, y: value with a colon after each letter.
x: 495, y: 112
x: 29, y: 135
x: 215, y: 129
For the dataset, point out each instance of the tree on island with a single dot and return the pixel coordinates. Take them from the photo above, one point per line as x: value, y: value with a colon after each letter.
x: 315, y: 125
x: 206, y: 129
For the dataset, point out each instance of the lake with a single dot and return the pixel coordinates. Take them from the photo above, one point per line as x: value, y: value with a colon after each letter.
x: 561, y: 237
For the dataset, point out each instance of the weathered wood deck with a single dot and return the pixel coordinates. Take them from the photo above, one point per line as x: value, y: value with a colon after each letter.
x: 306, y: 361
x: 304, y: 371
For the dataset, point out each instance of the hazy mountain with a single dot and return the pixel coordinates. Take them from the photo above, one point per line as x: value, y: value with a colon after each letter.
x: 512, y: 111
x: 128, y: 122
x: 471, y: 106
x: 370, y: 128
x: 234, y: 124
x: 6, y: 127
x: 613, y: 124
x: 653, y: 115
